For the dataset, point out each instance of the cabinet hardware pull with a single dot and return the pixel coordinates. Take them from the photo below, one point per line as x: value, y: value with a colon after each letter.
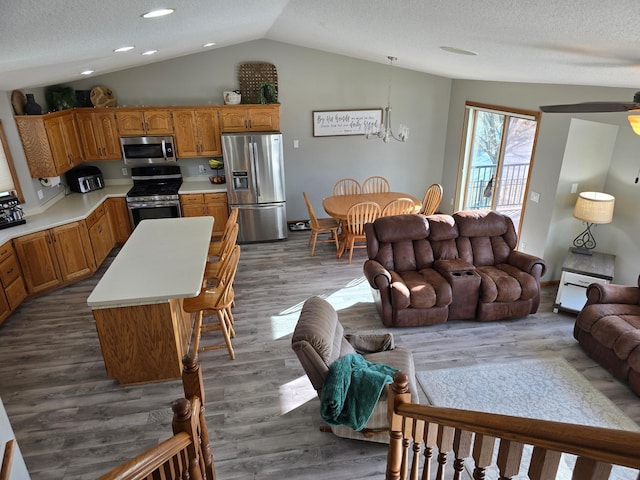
x: 11, y: 270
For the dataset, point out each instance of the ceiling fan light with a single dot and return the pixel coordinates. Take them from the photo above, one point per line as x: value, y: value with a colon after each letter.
x: 634, y: 121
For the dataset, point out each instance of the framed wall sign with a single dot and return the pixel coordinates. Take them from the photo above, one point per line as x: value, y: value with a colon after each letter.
x: 329, y: 123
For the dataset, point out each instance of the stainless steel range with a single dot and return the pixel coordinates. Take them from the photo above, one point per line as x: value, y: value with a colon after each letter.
x: 154, y: 193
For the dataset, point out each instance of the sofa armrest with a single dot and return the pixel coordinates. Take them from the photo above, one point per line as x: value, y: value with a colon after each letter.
x: 526, y: 262
x: 378, y: 276
x: 611, y: 293
x: 364, y: 343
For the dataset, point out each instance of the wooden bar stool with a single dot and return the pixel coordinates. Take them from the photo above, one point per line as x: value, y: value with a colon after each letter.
x: 217, y: 300
x: 212, y: 269
x: 216, y: 245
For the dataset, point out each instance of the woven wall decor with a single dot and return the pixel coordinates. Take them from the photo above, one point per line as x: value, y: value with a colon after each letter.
x: 251, y: 75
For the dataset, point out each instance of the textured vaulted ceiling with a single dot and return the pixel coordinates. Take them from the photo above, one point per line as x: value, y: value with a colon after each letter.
x: 585, y: 42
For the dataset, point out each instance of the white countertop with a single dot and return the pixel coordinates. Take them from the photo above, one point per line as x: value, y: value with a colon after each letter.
x: 163, y: 259
x: 77, y: 206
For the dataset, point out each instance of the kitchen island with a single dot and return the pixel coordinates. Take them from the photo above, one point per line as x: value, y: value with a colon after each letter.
x: 137, y: 305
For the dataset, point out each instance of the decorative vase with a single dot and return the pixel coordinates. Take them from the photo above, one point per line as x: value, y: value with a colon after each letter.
x: 31, y: 107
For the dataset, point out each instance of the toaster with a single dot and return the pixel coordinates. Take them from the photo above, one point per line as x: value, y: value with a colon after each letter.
x: 84, y: 179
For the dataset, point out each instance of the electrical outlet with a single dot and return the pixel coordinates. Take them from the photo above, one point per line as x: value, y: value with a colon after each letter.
x: 125, y: 172
x: 201, y: 169
x: 40, y: 195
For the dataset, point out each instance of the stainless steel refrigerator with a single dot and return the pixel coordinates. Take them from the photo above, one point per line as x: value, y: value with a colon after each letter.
x: 254, y: 170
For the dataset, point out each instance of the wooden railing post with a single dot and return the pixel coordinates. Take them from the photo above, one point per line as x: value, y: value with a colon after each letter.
x: 182, y: 422
x: 397, y: 393
x: 193, y: 385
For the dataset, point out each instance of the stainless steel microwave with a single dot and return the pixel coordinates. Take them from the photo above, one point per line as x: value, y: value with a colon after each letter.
x: 148, y: 150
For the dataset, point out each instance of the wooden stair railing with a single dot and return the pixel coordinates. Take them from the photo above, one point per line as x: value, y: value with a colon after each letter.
x: 187, y: 454
x: 416, y: 429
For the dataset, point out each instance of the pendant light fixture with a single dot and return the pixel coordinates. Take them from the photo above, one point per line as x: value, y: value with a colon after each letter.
x: 386, y: 132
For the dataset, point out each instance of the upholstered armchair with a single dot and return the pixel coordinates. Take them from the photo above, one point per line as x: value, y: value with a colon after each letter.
x: 319, y: 340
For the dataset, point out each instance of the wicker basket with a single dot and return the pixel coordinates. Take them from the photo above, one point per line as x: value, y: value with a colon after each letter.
x: 252, y: 75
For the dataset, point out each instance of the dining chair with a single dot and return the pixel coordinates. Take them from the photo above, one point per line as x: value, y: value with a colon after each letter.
x: 357, y: 216
x: 347, y: 186
x: 376, y: 184
x: 218, y: 300
x: 432, y: 199
x: 399, y: 206
x: 321, y: 225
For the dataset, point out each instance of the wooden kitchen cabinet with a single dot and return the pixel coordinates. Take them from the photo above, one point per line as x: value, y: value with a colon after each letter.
x: 197, y: 132
x: 99, y: 228
x: 51, y: 143
x: 242, y: 118
x: 56, y: 256
x: 13, y: 291
x: 204, y: 204
x: 147, y: 121
x: 98, y: 134
x: 118, y: 214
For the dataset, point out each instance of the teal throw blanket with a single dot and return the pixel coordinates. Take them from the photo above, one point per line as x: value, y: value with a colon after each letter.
x: 352, y: 389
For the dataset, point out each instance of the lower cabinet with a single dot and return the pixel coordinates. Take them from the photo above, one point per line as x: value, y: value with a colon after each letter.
x: 54, y: 257
x: 118, y: 213
x: 13, y: 291
x: 100, y: 234
x: 204, y: 204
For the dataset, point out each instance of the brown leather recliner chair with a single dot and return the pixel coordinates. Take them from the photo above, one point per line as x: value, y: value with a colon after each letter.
x: 427, y: 270
x: 319, y: 340
x: 608, y: 329
x: 510, y: 286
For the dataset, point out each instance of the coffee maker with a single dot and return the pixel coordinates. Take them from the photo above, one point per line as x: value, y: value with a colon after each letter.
x: 10, y: 212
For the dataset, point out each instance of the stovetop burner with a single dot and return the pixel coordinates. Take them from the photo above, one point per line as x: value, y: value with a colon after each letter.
x: 155, y: 183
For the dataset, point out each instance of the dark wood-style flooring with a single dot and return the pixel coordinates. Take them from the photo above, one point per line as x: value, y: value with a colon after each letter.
x: 72, y: 422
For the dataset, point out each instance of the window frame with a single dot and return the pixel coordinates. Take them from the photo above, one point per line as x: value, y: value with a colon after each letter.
x: 17, y: 189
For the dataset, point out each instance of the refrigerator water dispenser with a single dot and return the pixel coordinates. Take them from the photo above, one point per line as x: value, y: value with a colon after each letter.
x: 240, y: 181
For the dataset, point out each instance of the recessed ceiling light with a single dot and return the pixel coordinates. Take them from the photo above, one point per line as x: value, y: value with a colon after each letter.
x: 149, y: 52
x: 124, y: 49
x: 210, y: 44
x: 87, y: 72
x: 158, y: 13
x: 458, y: 51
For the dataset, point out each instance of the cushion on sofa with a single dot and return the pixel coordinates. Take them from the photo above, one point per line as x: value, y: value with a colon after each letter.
x: 425, y: 288
x: 442, y: 236
x: 486, y: 237
x: 398, y: 228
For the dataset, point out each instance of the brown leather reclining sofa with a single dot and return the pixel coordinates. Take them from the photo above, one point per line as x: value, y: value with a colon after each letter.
x: 608, y: 329
x: 427, y: 270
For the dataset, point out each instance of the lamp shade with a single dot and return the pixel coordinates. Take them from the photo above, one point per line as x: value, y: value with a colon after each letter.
x: 594, y: 207
x: 634, y: 121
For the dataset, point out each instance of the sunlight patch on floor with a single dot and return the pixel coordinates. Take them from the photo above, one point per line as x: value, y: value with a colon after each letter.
x: 295, y: 393
x: 356, y: 291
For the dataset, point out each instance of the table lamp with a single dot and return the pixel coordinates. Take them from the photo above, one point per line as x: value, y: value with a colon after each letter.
x: 592, y: 208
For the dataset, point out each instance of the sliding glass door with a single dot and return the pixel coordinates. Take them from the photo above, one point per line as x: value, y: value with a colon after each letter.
x: 497, y: 156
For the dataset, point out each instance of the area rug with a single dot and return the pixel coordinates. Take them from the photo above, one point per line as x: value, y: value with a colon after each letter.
x: 546, y: 389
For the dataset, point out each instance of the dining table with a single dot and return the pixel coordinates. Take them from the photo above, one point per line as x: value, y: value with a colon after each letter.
x: 337, y: 206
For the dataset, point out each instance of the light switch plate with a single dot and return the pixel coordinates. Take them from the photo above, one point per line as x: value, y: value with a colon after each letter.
x: 535, y: 197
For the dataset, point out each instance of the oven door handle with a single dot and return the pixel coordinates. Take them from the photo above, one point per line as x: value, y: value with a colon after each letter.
x: 167, y: 203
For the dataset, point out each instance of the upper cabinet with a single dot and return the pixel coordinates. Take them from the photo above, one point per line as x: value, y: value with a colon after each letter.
x: 144, y: 121
x: 99, y: 134
x: 241, y: 118
x: 51, y: 144
x: 197, y: 132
